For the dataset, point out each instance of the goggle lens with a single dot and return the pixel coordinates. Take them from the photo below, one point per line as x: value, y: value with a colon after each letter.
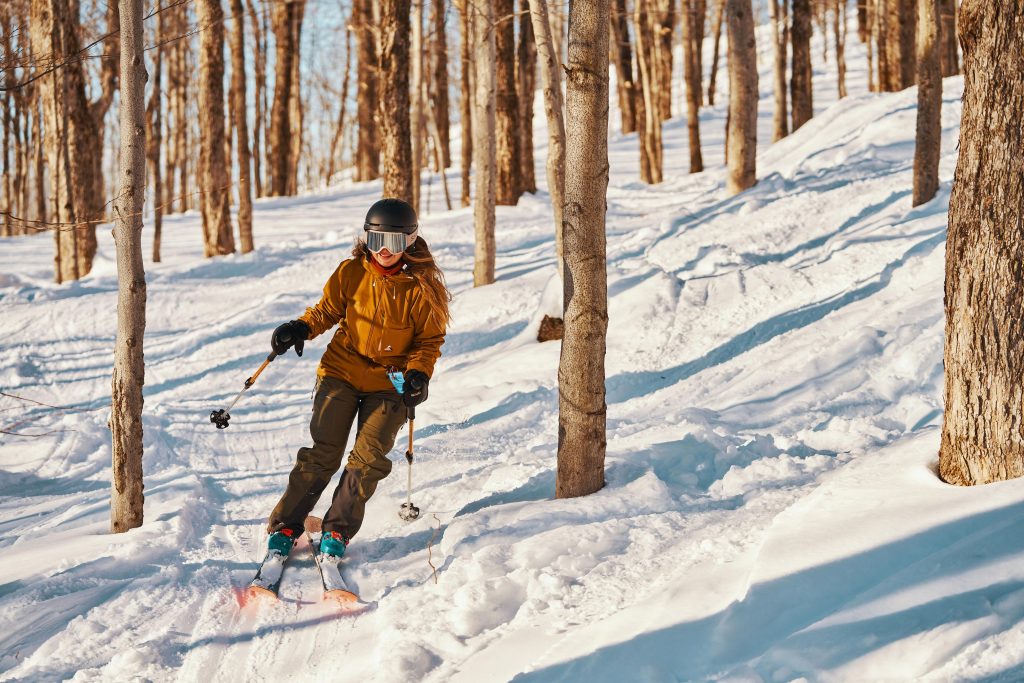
x: 395, y: 242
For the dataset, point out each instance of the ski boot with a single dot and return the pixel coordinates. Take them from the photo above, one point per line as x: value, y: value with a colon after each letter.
x: 281, y: 541
x: 333, y: 543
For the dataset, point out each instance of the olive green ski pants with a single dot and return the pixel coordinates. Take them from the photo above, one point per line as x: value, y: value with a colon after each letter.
x: 337, y: 404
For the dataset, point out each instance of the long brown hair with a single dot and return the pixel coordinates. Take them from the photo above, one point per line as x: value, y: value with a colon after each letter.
x: 421, y: 266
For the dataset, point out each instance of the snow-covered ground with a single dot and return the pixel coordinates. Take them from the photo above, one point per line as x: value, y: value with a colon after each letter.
x: 771, y: 512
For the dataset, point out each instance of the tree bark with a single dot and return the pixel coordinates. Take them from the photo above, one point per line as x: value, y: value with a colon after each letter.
x: 908, y: 37
x: 126, y: 500
x: 281, y: 20
x: 416, y: 108
x: 929, y: 103
x: 484, y: 145
x: 466, y: 101
x: 948, y: 38
x: 582, y: 411
x: 663, y: 53
x: 622, y: 51
x: 508, y: 186
x: 869, y: 46
x: 742, y: 150
x: 839, y: 32
x: 527, y: 87
x: 694, y: 91
x: 863, y: 22
x: 238, y: 96
x: 439, y: 78
x: 650, y: 128
x: 396, y: 148
x: 780, y: 39
x: 260, y: 81
x: 154, y: 125
x: 982, y: 430
x: 552, y: 83
x: 213, y: 174
x: 800, y: 82
x: 717, y: 30
x: 295, y: 106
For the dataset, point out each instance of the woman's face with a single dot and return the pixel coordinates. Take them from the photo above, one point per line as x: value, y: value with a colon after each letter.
x: 386, y: 259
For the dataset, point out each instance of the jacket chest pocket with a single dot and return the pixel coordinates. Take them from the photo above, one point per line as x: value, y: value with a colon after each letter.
x: 394, y: 341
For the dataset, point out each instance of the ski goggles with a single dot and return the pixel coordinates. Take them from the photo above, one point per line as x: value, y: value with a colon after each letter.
x: 395, y: 242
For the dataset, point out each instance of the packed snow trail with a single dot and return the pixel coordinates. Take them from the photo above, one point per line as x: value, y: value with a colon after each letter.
x: 774, y: 386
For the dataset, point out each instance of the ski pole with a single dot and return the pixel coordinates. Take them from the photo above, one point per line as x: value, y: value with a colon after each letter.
x: 408, y: 512
x: 221, y: 417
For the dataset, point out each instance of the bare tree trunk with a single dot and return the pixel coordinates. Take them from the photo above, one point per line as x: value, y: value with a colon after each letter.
x: 800, y: 83
x: 622, y: 51
x: 582, y: 412
x: 7, y: 207
x: 742, y: 152
x: 717, y: 30
x: 466, y: 103
x: 908, y: 37
x: 982, y: 433
x: 126, y: 499
x: 37, y: 162
x: 780, y: 38
x: 396, y: 149
x: 663, y: 53
x: 527, y: 87
x: 484, y: 145
x: 184, y: 120
x: 879, y: 32
x: 948, y: 38
x: 839, y: 31
x: 929, y: 103
x: 367, y: 103
x: 260, y: 65
x: 238, y: 96
x: 508, y: 187
x: 439, y: 79
x: 650, y: 132
x: 435, y: 136
x: 416, y: 108
x: 213, y: 175
x: 295, y: 108
x: 280, y: 114
x: 154, y: 125
x: 339, y: 129
x: 694, y: 92
x: 551, y: 82
x: 869, y: 45
x: 863, y: 21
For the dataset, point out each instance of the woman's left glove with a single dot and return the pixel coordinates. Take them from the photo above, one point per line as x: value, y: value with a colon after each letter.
x: 415, y: 391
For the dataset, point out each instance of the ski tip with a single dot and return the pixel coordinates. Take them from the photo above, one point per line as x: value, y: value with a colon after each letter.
x: 313, y: 524
x: 254, y: 595
x: 342, y: 597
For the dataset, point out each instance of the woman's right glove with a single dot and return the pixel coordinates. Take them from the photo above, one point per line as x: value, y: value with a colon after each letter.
x: 292, y: 333
x: 415, y: 391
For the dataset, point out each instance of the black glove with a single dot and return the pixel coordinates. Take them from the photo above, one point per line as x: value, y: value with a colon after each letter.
x: 294, y: 332
x: 415, y: 391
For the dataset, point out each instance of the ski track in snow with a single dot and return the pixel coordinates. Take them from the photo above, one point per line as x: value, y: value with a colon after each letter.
x: 774, y: 390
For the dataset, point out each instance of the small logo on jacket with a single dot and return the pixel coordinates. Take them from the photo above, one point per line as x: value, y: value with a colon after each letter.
x: 388, y: 347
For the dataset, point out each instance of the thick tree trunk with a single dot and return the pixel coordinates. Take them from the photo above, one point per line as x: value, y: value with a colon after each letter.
x: 622, y: 52
x: 552, y: 83
x: 508, y: 186
x: 367, y: 102
x: 664, y: 30
x: 238, y: 73
x: 484, y: 145
x: 982, y: 429
x: 126, y: 500
x: 780, y: 39
x: 279, y: 140
x: 582, y: 411
x: 396, y: 147
x: 213, y: 173
x: 439, y: 78
x: 908, y: 38
x: 800, y: 83
x: 154, y: 125
x: 466, y: 101
x: 694, y: 91
x: 863, y: 22
x: 742, y: 151
x: 948, y: 38
x: 526, y: 75
x: 416, y: 108
x: 717, y: 30
x: 929, y: 103
x: 650, y: 128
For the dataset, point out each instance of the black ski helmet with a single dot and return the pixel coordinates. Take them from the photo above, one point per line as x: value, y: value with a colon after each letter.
x: 391, y: 215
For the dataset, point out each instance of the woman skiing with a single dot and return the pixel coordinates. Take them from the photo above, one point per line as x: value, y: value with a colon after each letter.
x: 390, y: 305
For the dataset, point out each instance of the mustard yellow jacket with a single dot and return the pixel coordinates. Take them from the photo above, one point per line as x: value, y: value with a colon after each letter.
x: 383, y: 321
